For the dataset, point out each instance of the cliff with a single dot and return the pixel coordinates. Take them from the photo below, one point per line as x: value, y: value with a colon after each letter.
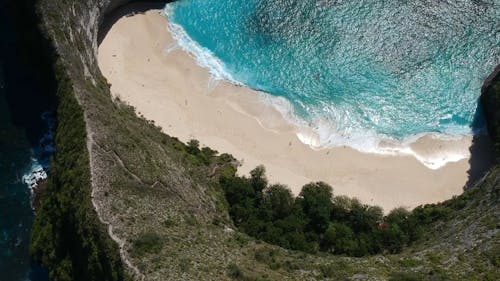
x: 124, y: 193
x: 490, y: 101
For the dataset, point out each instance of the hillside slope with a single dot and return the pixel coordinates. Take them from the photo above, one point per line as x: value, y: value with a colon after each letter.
x: 161, y: 205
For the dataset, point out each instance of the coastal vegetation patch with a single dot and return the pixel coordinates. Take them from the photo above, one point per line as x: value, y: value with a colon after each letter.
x: 316, y: 220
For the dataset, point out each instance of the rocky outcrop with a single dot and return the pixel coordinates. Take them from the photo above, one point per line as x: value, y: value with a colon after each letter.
x: 113, y: 4
x: 490, y: 101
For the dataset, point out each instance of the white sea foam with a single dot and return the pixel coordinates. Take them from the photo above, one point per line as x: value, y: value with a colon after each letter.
x: 320, y: 133
x: 34, y: 166
x: 204, y: 57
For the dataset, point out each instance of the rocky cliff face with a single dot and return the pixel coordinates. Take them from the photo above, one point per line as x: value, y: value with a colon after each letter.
x: 490, y: 100
x: 76, y: 23
x: 163, y: 209
x: 113, y: 4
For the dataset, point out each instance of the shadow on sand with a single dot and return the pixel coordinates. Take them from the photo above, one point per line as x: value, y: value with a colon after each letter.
x: 482, y: 158
x: 128, y: 9
x: 482, y: 151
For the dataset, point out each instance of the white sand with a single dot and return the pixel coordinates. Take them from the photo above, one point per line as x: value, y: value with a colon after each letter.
x: 171, y: 89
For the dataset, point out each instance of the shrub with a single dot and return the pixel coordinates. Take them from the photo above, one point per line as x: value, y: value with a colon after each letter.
x: 148, y: 243
x: 234, y: 271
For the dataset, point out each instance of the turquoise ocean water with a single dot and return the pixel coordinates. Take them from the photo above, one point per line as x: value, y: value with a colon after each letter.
x: 356, y: 72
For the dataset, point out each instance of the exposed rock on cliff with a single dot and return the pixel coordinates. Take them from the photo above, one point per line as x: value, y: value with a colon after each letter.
x: 490, y: 100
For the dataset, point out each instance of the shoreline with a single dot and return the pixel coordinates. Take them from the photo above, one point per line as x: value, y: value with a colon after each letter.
x: 148, y: 70
x: 311, y: 133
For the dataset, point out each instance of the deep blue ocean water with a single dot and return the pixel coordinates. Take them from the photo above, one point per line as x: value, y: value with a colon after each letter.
x: 354, y: 71
x: 25, y: 142
x: 16, y: 214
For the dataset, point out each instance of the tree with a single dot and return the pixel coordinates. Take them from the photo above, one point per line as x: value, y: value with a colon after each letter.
x: 241, y: 198
x: 316, y: 202
x: 193, y: 147
x: 280, y: 201
x: 393, y: 238
x: 258, y: 179
x: 329, y: 239
x: 339, y: 238
x: 364, y: 218
x: 341, y: 207
x: 398, y: 216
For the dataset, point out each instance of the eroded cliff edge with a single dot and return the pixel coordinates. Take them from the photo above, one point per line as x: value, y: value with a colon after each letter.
x: 490, y: 100
x: 160, y: 212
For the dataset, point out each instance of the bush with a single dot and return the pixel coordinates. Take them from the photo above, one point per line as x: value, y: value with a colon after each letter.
x: 316, y: 202
x: 406, y: 276
x: 148, y: 243
x: 327, y: 271
x: 234, y: 271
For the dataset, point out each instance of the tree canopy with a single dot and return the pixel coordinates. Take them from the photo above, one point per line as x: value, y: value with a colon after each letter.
x: 316, y: 220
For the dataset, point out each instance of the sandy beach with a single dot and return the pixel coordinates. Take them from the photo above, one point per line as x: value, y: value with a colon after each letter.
x: 148, y: 70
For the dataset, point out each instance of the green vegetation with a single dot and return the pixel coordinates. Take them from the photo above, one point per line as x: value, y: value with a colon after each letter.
x: 316, y: 220
x: 147, y: 243
x: 67, y: 235
x: 234, y: 271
